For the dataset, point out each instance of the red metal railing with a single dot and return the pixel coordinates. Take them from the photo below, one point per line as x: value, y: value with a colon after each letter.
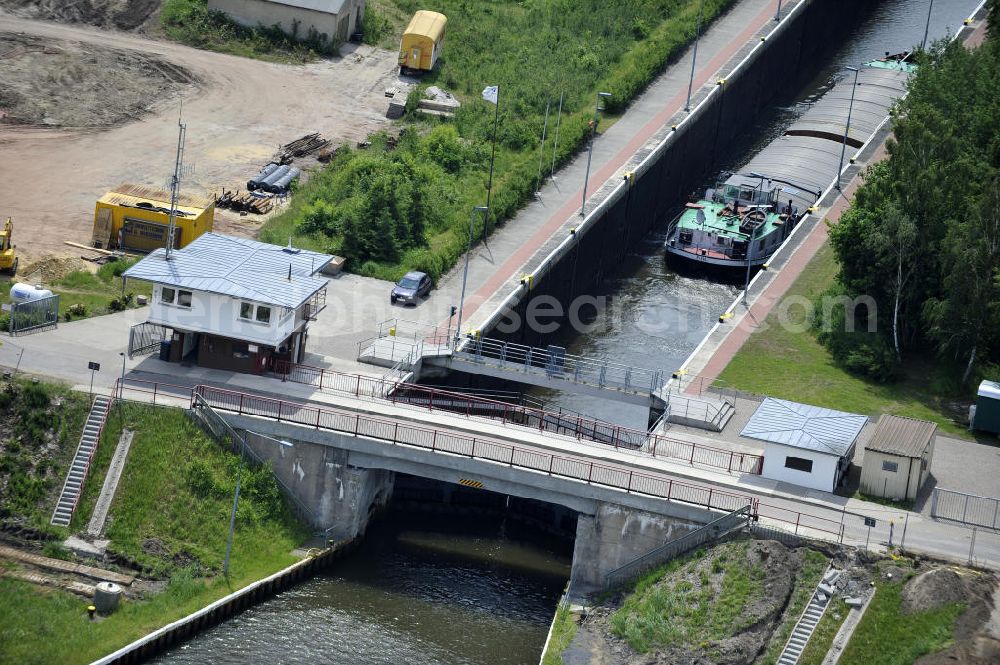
x: 580, y: 427
x: 458, y: 443
x: 801, y: 521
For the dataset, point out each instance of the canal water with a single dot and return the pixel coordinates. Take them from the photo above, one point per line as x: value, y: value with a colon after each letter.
x: 447, y: 589
x: 420, y: 589
x: 656, y: 317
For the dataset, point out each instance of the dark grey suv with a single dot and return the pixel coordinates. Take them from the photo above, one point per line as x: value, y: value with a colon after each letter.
x: 414, y: 286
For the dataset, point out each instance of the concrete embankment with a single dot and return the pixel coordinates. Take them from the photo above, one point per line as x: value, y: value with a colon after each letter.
x: 649, y: 189
x: 224, y: 608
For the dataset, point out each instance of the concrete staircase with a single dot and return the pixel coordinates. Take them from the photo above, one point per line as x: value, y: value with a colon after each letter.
x: 807, y: 623
x: 73, y: 485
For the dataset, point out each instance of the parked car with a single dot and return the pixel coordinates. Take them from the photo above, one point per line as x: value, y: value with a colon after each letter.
x: 409, y: 290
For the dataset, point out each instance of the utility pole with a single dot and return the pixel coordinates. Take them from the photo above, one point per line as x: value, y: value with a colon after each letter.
x: 694, y: 56
x: 847, y: 128
x: 590, y: 151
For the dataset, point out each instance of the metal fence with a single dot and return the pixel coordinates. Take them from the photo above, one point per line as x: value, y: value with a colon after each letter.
x: 145, y: 338
x: 658, y: 556
x: 450, y: 442
x: 575, y: 425
x: 966, y: 508
x: 34, y: 314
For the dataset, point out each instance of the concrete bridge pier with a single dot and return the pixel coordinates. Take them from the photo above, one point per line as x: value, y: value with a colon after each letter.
x: 341, y: 497
x: 613, y: 536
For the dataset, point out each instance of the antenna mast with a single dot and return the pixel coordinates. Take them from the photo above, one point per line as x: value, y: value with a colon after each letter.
x: 175, y: 183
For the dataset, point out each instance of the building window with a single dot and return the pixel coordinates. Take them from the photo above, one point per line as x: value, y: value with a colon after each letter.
x: 799, y: 464
x: 183, y: 298
x: 167, y: 295
x: 263, y: 312
x: 890, y: 466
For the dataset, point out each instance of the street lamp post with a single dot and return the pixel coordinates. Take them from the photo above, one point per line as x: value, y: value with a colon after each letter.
x: 236, y: 501
x: 927, y: 26
x: 847, y: 128
x: 751, y: 234
x: 694, y: 56
x: 465, y: 274
x: 121, y: 382
x: 590, y: 152
x: 777, y: 13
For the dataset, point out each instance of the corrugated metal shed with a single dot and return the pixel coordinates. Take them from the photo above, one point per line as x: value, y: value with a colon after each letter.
x: 237, y: 267
x: 805, y: 426
x: 905, y: 437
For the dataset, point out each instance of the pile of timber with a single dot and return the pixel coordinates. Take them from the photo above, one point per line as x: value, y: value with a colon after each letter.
x: 244, y: 202
x: 301, y: 147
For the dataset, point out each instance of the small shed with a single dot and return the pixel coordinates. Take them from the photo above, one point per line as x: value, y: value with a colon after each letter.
x: 986, y: 417
x: 422, y: 42
x: 806, y: 445
x: 327, y: 21
x: 136, y: 218
x: 898, y: 458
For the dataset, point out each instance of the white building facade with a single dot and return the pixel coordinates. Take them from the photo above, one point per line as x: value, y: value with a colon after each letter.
x: 233, y: 303
x: 330, y: 21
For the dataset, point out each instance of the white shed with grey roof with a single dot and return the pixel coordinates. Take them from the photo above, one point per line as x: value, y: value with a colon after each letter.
x: 326, y: 21
x: 233, y: 303
x: 805, y: 445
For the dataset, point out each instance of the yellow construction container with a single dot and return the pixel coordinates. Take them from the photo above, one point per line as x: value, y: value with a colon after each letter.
x: 136, y: 218
x: 422, y: 42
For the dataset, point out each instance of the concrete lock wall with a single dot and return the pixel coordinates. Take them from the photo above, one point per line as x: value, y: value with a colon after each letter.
x: 341, y: 497
x: 686, y: 158
x: 614, y: 536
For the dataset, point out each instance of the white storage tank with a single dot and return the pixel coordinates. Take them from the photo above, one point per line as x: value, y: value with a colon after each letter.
x: 21, y: 292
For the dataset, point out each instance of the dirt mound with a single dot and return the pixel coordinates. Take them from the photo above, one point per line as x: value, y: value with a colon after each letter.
x: 50, y: 270
x: 977, y: 629
x: 121, y: 14
x: 777, y: 566
x: 71, y: 84
x: 933, y: 589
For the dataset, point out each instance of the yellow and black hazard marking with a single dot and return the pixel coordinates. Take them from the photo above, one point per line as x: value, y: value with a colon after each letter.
x: 470, y: 483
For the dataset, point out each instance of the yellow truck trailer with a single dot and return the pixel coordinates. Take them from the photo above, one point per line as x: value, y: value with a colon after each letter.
x: 136, y: 218
x: 422, y: 42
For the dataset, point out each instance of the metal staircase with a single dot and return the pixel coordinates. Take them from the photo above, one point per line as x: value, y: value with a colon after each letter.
x: 77, y: 474
x: 807, y: 622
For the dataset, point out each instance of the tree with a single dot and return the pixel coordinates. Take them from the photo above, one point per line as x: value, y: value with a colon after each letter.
x: 893, y: 241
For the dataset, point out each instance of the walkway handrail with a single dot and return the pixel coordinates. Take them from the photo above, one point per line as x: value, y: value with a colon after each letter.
x: 450, y: 442
x: 603, y: 373
x: 657, y: 445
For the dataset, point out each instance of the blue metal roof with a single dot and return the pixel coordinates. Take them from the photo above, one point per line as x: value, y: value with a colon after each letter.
x: 990, y: 389
x: 237, y: 267
x: 804, y: 426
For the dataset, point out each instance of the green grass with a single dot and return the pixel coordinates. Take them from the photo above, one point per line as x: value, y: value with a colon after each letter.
x: 792, y: 364
x: 94, y: 291
x: 667, y: 612
x: 176, y: 492
x: 576, y: 47
x: 826, y: 630
x: 813, y: 565
x: 190, y: 22
x: 45, y: 421
x: 888, y: 637
x: 563, y: 631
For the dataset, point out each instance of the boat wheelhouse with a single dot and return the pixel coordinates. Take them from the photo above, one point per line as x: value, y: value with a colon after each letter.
x: 734, y: 223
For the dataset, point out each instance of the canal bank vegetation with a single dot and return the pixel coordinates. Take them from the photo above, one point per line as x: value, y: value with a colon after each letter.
x: 168, y: 525
x: 789, y: 362
x: 404, y: 202
x: 922, y: 237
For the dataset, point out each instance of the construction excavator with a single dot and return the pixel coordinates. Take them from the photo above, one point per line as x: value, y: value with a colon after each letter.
x: 8, y: 258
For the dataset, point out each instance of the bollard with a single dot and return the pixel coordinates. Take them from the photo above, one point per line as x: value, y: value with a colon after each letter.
x: 90, y: 611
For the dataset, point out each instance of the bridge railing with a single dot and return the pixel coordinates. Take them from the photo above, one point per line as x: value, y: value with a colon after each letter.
x: 462, y: 444
x: 558, y: 364
x: 802, y: 524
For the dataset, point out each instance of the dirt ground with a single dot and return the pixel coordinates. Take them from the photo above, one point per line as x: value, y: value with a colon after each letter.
x: 121, y: 14
x: 68, y: 84
x: 238, y: 111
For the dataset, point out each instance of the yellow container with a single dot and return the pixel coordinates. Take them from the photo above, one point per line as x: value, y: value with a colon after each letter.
x: 136, y: 218
x: 422, y: 41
